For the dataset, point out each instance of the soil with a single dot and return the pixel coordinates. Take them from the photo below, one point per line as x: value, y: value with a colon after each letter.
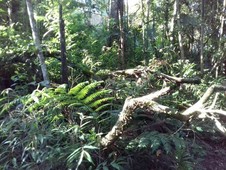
x: 215, y: 157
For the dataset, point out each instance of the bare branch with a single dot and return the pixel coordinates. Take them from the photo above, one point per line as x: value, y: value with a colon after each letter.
x: 180, y: 80
x: 200, y: 104
x: 130, y: 105
x: 146, y: 102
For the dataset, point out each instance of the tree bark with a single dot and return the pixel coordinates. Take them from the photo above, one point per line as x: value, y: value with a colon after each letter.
x: 221, y: 33
x: 122, y: 34
x: 173, y: 20
x: 117, y: 29
x: 166, y: 17
x: 10, y: 13
x: 145, y: 28
x: 64, y: 69
x: 202, y: 40
x: 180, y: 37
x: 176, y: 17
x: 13, y: 7
x: 146, y: 102
x: 125, y: 115
x: 113, y: 22
x: 37, y: 43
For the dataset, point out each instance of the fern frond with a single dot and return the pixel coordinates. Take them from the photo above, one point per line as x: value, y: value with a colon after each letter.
x: 178, y: 142
x: 167, y: 143
x: 102, y: 107
x: 87, y: 89
x: 155, y: 143
x: 62, y: 89
x: 95, y: 96
x: 76, y: 104
x: 100, y: 101
x: 77, y: 88
x: 155, y: 140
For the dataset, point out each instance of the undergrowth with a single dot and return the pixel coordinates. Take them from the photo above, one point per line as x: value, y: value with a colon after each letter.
x: 61, y: 128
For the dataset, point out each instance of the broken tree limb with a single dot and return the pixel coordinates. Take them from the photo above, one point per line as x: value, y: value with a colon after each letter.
x: 131, y: 104
x: 200, y: 104
x: 179, y: 79
x: 141, y: 71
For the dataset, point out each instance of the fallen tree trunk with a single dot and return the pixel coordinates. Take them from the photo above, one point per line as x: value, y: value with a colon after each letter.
x: 131, y: 104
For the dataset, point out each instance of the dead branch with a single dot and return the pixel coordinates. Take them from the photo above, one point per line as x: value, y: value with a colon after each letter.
x: 131, y: 104
x: 200, y: 104
x: 179, y: 79
x: 142, y: 71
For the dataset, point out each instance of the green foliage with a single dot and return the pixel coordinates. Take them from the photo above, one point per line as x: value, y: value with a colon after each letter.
x: 60, y: 128
x: 83, y: 94
x: 156, y: 144
x: 80, y: 154
x: 10, y: 39
x: 155, y: 141
x: 183, y: 69
x: 112, y: 162
x: 183, y: 160
x: 53, y: 128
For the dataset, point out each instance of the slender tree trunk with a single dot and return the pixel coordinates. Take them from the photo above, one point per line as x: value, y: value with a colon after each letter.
x: 166, y: 17
x: 202, y: 40
x: 145, y: 28
x: 10, y: 14
x: 148, y: 2
x: 117, y: 13
x: 180, y: 37
x: 221, y: 33
x: 113, y: 22
x: 122, y: 34
x: 89, y: 12
x: 176, y: 17
x: 37, y: 42
x: 13, y: 7
x: 222, y: 19
x: 64, y: 69
x: 127, y: 14
x: 173, y: 20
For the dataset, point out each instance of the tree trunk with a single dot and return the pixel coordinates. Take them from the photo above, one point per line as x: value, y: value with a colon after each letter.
x: 166, y: 17
x: 13, y: 7
x: 37, y: 43
x: 145, y: 28
x: 201, y: 40
x: 117, y: 29
x: 64, y: 69
x: 221, y: 33
x: 122, y: 34
x: 113, y: 22
x: 88, y: 12
x: 180, y: 37
x: 176, y: 17
x: 146, y: 43
x: 10, y: 15
x: 173, y: 20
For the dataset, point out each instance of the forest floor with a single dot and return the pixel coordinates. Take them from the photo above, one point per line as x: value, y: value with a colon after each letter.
x: 215, y: 155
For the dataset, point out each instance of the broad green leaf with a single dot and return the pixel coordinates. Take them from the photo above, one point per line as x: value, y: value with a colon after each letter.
x: 88, y: 157
x: 90, y: 147
x: 80, y: 159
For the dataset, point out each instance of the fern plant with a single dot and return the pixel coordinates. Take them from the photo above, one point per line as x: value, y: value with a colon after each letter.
x: 36, y: 135
x: 85, y: 98
x: 155, y: 141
